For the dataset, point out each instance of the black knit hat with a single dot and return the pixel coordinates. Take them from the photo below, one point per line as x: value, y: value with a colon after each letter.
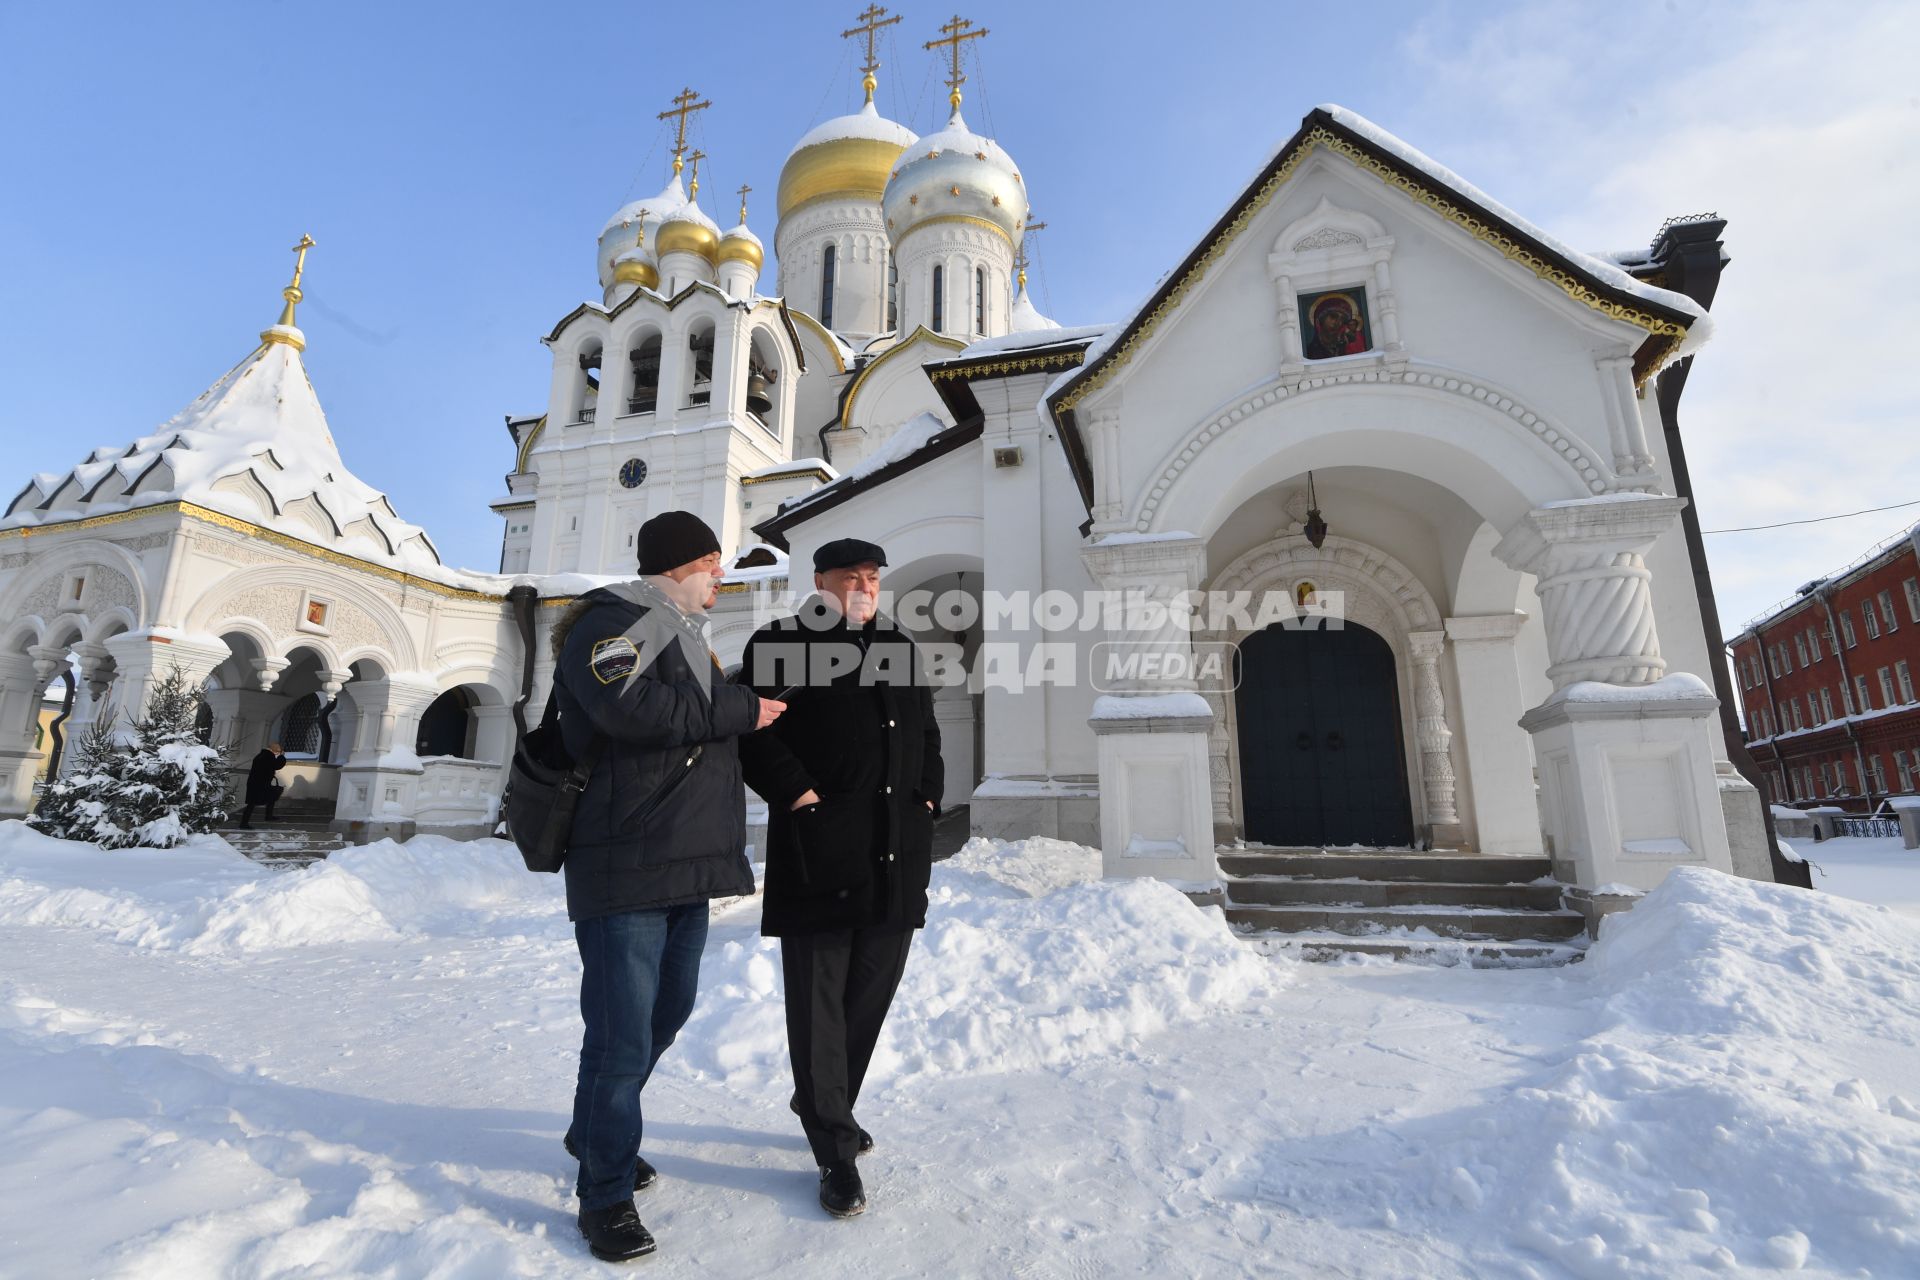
x: 844, y: 553
x: 674, y: 538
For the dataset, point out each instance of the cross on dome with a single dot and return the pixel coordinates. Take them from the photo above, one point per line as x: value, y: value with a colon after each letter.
x: 957, y: 34
x: 871, y: 23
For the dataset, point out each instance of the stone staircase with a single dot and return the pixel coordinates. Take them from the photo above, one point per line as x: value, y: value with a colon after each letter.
x: 299, y: 835
x: 1443, y: 908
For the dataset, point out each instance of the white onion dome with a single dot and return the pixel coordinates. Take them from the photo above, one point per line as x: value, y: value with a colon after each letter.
x: 848, y: 157
x: 1025, y: 316
x: 624, y: 227
x: 687, y: 230
x: 741, y: 245
x: 955, y: 173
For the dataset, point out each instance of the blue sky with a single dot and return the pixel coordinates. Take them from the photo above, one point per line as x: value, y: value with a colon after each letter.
x: 456, y: 162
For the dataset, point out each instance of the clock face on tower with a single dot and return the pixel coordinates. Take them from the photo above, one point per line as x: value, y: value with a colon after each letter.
x: 632, y: 472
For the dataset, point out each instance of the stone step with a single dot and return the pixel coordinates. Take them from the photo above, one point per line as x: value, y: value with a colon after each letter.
x: 1478, y: 954
x: 1446, y: 922
x: 1354, y: 892
x: 1459, y: 868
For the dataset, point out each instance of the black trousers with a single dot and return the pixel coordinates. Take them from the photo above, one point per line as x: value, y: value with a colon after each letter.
x: 839, y: 986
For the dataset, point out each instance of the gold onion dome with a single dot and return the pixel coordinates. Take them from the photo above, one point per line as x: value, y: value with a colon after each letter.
x: 741, y: 245
x: 617, y: 237
x: 636, y: 267
x: 687, y: 230
x: 956, y: 174
x: 848, y: 157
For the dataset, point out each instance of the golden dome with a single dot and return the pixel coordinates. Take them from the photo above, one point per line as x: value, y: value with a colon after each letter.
x: 687, y: 230
x: 741, y: 245
x: 846, y: 156
x: 632, y: 268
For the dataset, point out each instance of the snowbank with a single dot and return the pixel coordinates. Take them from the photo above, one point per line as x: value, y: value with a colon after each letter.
x: 1028, y: 960
x: 1732, y: 1105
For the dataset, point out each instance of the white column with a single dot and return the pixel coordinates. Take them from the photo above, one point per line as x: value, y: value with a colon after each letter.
x: 1499, y: 758
x: 380, y: 783
x: 142, y: 659
x: 1626, y: 757
x: 1156, y: 806
x: 21, y: 686
x: 1435, y: 738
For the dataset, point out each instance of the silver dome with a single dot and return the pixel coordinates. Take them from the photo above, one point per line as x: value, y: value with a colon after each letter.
x: 955, y: 173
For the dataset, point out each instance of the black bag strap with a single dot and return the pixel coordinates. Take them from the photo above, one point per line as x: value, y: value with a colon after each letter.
x: 584, y: 766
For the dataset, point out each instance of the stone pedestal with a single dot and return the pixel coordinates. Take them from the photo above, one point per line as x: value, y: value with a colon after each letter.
x: 380, y: 783
x: 1626, y: 757
x: 1156, y: 814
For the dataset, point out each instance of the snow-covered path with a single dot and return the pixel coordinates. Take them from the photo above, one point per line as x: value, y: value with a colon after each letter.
x: 210, y: 1090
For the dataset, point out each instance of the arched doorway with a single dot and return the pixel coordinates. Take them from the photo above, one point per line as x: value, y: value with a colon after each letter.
x: 1321, y: 756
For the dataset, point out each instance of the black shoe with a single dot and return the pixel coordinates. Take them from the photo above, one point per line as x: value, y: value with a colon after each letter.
x: 840, y: 1191
x: 614, y: 1234
x: 644, y: 1174
x: 866, y: 1142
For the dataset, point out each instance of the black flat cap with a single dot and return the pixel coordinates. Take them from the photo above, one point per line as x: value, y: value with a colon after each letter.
x: 844, y: 553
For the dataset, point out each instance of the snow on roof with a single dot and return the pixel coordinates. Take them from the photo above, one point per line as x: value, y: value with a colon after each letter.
x: 788, y: 468
x: 1027, y: 317
x: 1023, y: 339
x: 671, y: 198
x: 742, y: 232
x: 864, y: 123
x: 911, y: 438
x: 254, y: 445
x: 958, y: 137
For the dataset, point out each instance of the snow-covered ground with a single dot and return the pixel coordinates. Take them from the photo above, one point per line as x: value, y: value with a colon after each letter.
x: 1880, y: 870
x: 211, y: 1069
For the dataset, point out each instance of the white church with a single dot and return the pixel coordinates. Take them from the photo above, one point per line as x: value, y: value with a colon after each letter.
x: 1367, y: 381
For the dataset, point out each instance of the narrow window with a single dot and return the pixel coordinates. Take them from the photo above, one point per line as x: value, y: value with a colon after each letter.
x: 1800, y: 649
x: 1879, y: 771
x: 979, y: 299
x: 827, y: 256
x: 893, y: 294
x: 1862, y: 701
x: 1886, y: 610
x: 1886, y: 687
x: 1873, y: 623
x: 1905, y: 676
x: 939, y: 299
x: 1846, y: 629
x: 1913, y: 599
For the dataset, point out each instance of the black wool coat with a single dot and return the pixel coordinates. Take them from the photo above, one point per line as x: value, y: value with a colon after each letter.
x: 260, y: 776
x: 859, y: 732
x: 662, y: 821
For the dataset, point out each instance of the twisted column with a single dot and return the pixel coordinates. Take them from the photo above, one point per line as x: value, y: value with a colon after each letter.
x: 1430, y: 727
x: 1595, y: 589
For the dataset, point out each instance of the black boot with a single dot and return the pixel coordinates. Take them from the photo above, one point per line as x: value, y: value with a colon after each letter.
x: 644, y: 1174
x: 840, y: 1191
x: 614, y: 1234
x: 866, y: 1142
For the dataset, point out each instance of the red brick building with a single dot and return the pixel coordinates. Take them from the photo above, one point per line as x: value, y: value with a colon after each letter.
x: 1827, y: 684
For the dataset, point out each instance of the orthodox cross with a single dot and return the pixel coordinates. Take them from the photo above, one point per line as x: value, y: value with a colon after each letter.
x: 956, y: 34
x: 292, y: 292
x: 685, y: 103
x: 871, y: 22
x: 1020, y: 257
x: 744, y: 188
x: 693, y: 186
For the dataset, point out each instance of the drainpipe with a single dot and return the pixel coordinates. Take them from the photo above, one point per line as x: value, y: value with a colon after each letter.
x: 525, y: 603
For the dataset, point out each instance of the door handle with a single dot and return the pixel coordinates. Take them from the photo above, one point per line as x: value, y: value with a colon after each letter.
x: 1333, y: 740
x: 1304, y: 741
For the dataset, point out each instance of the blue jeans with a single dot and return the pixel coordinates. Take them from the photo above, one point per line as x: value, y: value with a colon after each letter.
x: 639, y: 973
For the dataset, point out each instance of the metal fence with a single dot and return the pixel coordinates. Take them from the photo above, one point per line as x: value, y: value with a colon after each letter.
x: 1868, y: 827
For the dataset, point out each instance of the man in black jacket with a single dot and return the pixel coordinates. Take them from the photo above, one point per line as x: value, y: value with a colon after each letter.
x: 659, y: 830
x: 262, y: 787
x: 852, y: 778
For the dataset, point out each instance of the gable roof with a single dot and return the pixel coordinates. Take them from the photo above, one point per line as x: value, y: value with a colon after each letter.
x: 1669, y: 318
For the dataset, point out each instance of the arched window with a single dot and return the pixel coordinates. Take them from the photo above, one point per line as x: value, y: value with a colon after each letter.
x: 979, y: 299
x: 445, y: 727
x: 645, y: 388
x: 301, y: 734
x: 893, y: 294
x: 939, y: 299
x: 826, y: 287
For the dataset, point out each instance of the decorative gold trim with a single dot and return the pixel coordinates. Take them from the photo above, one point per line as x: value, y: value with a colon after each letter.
x: 859, y: 379
x: 787, y: 475
x: 526, y: 445
x: 248, y: 529
x: 833, y: 343
x: 994, y: 227
x: 510, y: 506
x: 1319, y: 136
x: 1020, y: 364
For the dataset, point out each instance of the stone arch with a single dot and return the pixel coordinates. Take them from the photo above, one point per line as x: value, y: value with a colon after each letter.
x: 1380, y: 593
x: 1544, y: 462
x: 39, y: 592
x: 371, y: 627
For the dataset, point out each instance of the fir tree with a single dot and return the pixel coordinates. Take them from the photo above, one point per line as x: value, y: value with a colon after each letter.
x: 72, y: 806
x: 153, y: 790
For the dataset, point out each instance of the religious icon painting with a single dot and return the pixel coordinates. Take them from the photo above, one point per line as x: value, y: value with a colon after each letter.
x: 313, y: 615
x: 1335, y: 323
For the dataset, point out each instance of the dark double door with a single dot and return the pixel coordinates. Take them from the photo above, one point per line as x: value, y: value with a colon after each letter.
x: 1321, y: 758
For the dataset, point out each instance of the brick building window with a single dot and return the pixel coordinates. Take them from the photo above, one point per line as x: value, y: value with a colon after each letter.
x: 1886, y: 687
x: 1813, y: 643
x: 1886, y: 611
x: 1905, y: 677
x: 1913, y: 599
x: 1901, y: 759
x: 1826, y: 706
x: 1862, y: 700
x: 1879, y: 772
x: 1873, y: 623
x: 1846, y: 629
x: 1800, y: 649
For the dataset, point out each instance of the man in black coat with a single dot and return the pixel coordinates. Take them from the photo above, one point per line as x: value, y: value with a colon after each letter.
x: 852, y: 777
x: 262, y: 788
x: 659, y: 830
